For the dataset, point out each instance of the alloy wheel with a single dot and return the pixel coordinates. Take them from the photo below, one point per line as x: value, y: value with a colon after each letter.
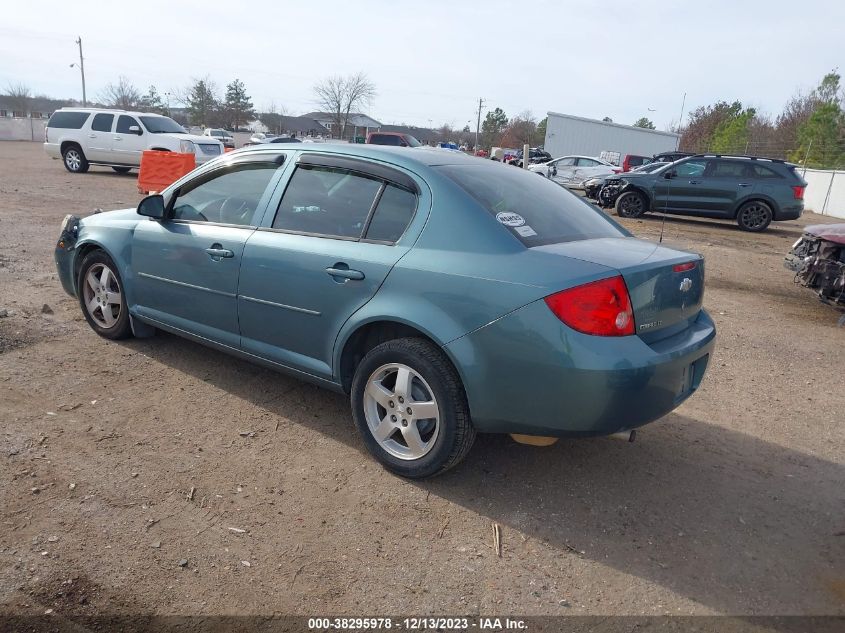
x: 73, y: 160
x: 103, y: 299
x: 401, y: 411
x: 631, y: 205
x: 754, y: 216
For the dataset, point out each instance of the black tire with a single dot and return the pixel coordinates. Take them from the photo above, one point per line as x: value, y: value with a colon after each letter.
x: 107, y: 324
x: 74, y: 159
x: 754, y: 216
x: 122, y: 170
x: 631, y: 204
x: 455, y: 433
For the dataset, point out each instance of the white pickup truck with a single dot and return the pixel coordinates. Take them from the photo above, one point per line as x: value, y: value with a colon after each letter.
x: 116, y: 138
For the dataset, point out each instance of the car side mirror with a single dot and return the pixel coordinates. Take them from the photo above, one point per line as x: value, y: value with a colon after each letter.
x: 134, y: 129
x: 403, y: 144
x: 152, y: 207
x: 553, y: 170
x: 670, y: 174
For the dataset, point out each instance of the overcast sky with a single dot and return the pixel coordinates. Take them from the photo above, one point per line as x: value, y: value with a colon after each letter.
x: 431, y: 60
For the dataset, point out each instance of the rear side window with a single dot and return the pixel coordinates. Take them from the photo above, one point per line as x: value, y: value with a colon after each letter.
x: 588, y: 162
x: 326, y: 201
x: 535, y: 210
x: 384, y: 139
x: 68, y: 120
x: 730, y: 169
x: 392, y: 215
x: 102, y: 122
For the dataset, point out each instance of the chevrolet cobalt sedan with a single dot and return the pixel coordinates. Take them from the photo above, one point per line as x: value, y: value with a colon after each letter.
x: 447, y: 295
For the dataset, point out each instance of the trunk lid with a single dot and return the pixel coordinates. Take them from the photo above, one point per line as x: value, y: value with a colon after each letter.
x: 666, y: 289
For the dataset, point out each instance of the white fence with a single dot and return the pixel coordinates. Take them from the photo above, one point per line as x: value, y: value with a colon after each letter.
x: 22, y: 129
x: 825, y: 192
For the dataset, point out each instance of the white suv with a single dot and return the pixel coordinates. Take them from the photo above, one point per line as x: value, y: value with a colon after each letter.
x: 116, y: 138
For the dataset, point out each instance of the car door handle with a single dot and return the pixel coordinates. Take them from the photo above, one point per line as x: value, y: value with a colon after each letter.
x: 343, y: 271
x: 695, y: 182
x: 745, y: 184
x: 118, y: 138
x: 92, y: 136
x: 217, y: 252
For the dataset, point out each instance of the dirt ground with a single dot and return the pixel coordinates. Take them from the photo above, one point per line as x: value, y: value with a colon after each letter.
x: 119, y: 461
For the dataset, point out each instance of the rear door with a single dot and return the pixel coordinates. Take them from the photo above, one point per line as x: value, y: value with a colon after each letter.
x: 729, y: 181
x: 100, y: 137
x: 128, y: 143
x: 186, y: 267
x: 335, y: 236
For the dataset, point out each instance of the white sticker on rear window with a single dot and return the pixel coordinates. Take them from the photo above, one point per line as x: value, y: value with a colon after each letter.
x: 525, y: 231
x: 510, y: 219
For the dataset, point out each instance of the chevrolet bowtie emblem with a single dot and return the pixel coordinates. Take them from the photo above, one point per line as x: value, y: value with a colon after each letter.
x: 686, y: 284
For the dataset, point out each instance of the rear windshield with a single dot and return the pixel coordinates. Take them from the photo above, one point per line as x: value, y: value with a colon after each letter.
x: 68, y: 120
x: 536, y: 210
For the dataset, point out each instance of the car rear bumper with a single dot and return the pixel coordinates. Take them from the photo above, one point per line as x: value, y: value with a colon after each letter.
x: 529, y: 373
x: 53, y: 150
x: 791, y: 212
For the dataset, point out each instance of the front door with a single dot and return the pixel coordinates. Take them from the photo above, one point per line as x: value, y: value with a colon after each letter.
x: 128, y: 141
x: 334, y: 239
x: 186, y: 267
x: 688, y: 191
x: 100, y: 137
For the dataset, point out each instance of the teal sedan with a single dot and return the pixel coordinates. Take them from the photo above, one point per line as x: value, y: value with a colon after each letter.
x: 446, y: 294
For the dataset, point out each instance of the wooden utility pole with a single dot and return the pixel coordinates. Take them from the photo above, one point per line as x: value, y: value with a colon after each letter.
x: 82, y: 71
x: 478, y: 123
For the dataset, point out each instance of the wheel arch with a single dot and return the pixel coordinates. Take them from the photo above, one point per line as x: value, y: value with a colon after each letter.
x: 67, y: 143
x: 81, y: 252
x: 367, y: 335
x: 640, y: 190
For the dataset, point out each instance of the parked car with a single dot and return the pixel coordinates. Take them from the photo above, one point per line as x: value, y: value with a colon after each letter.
x: 632, y: 161
x: 536, y: 155
x: 753, y: 191
x: 339, y: 265
x: 592, y: 186
x: 88, y: 136
x: 571, y: 171
x: 221, y: 135
x: 670, y: 157
x: 392, y: 138
x: 272, y: 139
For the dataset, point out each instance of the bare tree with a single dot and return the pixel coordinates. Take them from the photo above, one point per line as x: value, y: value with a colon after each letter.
x: 20, y: 97
x: 338, y: 96
x: 123, y: 94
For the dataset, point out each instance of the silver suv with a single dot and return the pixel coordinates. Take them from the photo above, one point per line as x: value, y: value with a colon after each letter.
x: 87, y: 136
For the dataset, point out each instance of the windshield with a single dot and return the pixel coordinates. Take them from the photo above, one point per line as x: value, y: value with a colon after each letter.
x: 651, y: 167
x: 412, y: 142
x: 535, y: 210
x: 161, y: 125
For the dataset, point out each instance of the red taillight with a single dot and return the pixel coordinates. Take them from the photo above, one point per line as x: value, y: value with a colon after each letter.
x: 617, y: 171
x: 798, y: 192
x: 682, y: 268
x: 601, y: 308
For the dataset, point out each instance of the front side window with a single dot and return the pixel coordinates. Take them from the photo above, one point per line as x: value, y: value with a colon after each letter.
x: 102, y: 122
x: 565, y: 162
x: 326, y: 201
x: 535, y: 210
x: 588, y: 162
x: 124, y: 122
x: 229, y: 196
x: 691, y: 169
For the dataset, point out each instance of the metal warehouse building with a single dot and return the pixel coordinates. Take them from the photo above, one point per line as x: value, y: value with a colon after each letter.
x: 567, y: 134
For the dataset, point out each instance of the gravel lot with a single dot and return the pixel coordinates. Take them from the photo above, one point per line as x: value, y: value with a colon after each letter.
x: 118, y: 461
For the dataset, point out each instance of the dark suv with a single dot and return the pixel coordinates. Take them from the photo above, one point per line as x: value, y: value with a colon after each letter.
x: 753, y: 191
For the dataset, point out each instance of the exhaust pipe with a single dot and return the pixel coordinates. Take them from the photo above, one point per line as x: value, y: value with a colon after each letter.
x: 626, y: 436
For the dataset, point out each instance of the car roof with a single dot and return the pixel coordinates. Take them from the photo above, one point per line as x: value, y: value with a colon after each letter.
x: 110, y: 110
x: 402, y: 156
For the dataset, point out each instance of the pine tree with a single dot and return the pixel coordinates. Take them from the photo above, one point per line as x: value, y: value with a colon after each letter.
x: 239, y: 108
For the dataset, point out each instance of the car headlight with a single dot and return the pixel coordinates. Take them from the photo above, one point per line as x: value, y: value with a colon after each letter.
x: 187, y: 147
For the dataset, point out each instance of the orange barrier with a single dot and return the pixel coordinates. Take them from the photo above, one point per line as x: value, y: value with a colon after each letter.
x: 160, y: 169
x: 228, y: 149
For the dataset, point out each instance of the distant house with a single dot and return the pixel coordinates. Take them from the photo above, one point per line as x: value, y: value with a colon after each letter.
x: 357, y: 124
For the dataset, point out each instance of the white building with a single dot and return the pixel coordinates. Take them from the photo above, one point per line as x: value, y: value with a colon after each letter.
x: 567, y: 134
